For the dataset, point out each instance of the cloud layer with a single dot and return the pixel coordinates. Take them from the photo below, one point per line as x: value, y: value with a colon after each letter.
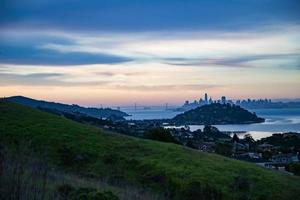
x: 125, y: 51
x: 180, y: 48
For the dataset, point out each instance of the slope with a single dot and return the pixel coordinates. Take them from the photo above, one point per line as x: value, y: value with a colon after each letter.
x: 175, y: 171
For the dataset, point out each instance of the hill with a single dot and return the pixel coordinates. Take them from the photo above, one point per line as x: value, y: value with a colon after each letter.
x: 174, y: 171
x: 216, y: 113
x: 93, y: 112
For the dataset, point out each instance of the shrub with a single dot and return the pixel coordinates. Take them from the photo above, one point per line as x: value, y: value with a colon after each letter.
x: 196, y: 191
x: 64, y: 191
x: 67, y: 192
x: 242, y: 188
x: 23, y: 174
x: 160, y: 134
x: 224, y: 149
x: 68, y: 157
x: 191, y: 144
x: 294, y: 168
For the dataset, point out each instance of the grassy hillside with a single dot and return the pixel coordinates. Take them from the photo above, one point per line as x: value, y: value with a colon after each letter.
x: 175, y: 171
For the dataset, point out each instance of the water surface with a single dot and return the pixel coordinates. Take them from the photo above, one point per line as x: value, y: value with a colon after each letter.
x: 277, y: 121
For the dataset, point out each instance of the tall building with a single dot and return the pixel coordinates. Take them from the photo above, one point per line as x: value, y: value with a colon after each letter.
x: 206, y: 98
x: 223, y: 99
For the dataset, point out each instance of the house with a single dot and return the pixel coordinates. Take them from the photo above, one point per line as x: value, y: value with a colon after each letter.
x: 265, y: 147
x: 268, y: 165
x: 207, y: 146
x: 250, y: 156
x: 239, y: 147
x: 285, y: 158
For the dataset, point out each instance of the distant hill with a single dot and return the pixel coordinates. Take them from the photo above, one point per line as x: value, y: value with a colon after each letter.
x: 216, y: 113
x: 174, y: 171
x: 93, y: 112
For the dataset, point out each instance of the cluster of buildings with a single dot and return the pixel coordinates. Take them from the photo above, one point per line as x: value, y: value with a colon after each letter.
x: 204, y: 101
x: 248, y: 103
x: 262, y: 153
x: 265, y: 154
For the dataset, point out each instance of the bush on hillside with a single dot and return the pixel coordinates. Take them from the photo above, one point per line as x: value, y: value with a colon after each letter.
x: 160, y: 134
x: 68, y: 157
x: 241, y: 187
x: 224, y: 149
x: 68, y: 192
x: 294, y: 168
x: 195, y: 191
x: 23, y: 174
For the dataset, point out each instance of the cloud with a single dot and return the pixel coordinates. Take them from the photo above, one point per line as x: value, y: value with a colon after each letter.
x: 29, y: 55
x: 111, y: 73
x: 28, y: 79
x: 65, y: 80
x: 43, y: 79
x: 239, y: 61
x: 162, y: 45
x: 195, y: 48
x: 189, y: 48
x: 174, y: 87
x: 132, y: 77
x: 43, y: 75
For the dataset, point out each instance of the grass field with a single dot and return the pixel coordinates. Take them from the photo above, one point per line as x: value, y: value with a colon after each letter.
x: 171, y: 170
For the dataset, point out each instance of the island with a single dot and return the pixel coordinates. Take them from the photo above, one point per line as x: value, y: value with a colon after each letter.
x: 217, y: 114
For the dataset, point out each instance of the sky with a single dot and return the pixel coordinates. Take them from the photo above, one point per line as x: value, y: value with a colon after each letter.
x: 121, y: 52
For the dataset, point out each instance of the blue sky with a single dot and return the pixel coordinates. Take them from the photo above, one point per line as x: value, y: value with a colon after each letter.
x: 150, y: 49
x: 145, y: 15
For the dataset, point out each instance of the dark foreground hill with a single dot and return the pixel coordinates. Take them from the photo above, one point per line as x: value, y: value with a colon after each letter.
x: 93, y: 112
x: 171, y: 170
x: 217, y: 114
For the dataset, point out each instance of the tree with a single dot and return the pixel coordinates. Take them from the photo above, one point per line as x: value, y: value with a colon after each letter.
x: 294, y: 168
x: 224, y: 149
x: 248, y: 138
x: 191, y: 144
x: 210, y: 129
x: 160, y: 134
x: 235, y: 138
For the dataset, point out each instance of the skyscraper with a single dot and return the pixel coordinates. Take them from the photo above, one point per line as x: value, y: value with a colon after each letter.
x: 206, y: 98
x: 223, y: 99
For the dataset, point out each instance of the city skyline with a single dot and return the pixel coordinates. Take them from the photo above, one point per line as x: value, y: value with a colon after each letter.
x: 200, y: 99
x: 206, y: 99
x: 121, y: 52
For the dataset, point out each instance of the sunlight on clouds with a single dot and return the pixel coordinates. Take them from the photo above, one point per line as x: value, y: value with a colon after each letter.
x: 130, y: 74
x: 214, y: 45
x: 162, y: 68
x: 151, y: 82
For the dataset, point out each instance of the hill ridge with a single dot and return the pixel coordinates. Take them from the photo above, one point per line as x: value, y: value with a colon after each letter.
x: 90, y: 111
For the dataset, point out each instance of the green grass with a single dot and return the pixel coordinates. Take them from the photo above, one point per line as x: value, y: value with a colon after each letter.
x: 166, y: 168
